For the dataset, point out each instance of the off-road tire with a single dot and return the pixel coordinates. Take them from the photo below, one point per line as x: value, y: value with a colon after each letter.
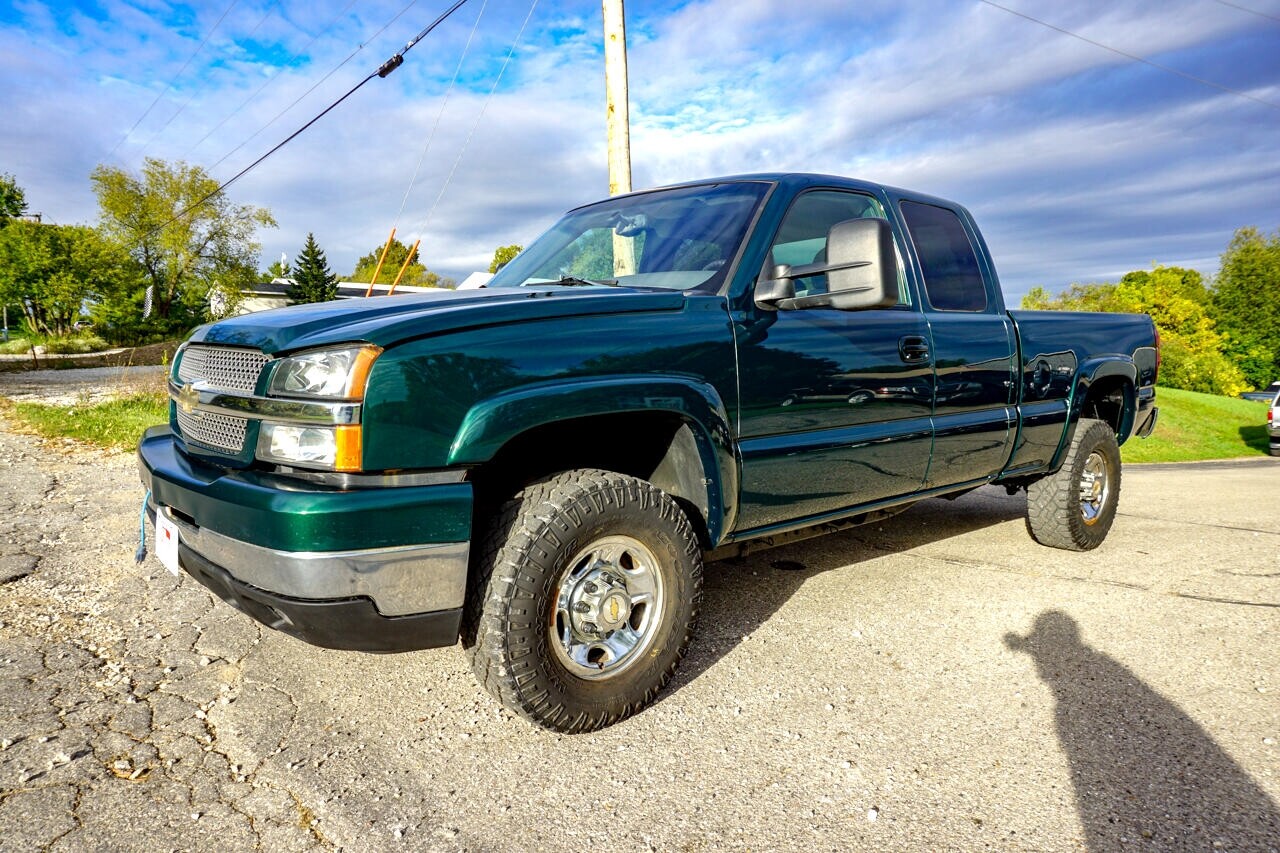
x: 1055, y: 509
x: 509, y: 625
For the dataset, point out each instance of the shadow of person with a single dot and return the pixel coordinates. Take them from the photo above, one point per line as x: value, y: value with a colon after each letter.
x: 1144, y: 772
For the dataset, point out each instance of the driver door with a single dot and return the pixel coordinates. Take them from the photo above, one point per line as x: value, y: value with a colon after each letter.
x: 835, y: 405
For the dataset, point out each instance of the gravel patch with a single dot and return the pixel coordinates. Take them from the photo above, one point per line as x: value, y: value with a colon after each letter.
x: 92, y: 384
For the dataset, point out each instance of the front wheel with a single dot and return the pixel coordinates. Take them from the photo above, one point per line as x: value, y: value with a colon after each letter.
x: 1073, y: 508
x: 585, y: 599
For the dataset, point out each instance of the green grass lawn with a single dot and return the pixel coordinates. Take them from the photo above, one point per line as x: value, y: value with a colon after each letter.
x: 115, y: 424
x: 1201, y: 426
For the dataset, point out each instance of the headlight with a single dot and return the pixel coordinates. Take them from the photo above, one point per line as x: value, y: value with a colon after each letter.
x: 335, y: 448
x: 334, y: 374
x: 339, y: 373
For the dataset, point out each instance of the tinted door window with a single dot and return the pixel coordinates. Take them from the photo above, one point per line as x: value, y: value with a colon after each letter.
x: 802, y: 236
x: 952, y: 279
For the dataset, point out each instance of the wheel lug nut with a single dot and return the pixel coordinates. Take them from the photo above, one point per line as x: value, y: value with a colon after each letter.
x: 589, y: 627
x: 590, y: 587
x: 581, y: 607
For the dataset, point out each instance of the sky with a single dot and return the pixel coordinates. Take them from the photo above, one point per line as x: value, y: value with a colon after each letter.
x: 1148, y: 136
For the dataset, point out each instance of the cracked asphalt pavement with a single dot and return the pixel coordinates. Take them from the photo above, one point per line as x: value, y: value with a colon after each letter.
x: 933, y: 682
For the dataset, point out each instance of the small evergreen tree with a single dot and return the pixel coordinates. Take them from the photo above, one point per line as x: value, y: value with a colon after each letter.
x: 313, y: 281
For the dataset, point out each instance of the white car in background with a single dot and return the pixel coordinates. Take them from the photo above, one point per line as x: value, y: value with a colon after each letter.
x: 1273, y: 425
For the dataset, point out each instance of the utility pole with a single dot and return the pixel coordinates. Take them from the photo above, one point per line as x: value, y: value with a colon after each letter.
x: 618, y: 123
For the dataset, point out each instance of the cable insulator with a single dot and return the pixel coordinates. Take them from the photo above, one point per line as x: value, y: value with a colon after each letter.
x: 391, y: 65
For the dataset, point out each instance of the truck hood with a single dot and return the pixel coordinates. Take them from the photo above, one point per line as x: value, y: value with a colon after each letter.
x: 389, y: 320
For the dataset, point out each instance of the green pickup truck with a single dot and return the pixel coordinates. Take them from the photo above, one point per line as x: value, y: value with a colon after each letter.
x: 540, y: 468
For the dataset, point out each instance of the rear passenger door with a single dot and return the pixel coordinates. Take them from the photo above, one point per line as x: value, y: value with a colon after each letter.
x: 974, y: 348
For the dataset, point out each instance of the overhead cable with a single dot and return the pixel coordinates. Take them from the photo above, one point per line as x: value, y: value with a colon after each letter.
x: 174, y: 78
x: 448, y: 179
x: 440, y: 114
x: 280, y: 70
x: 383, y: 70
x: 1275, y: 18
x: 192, y: 96
x: 322, y: 80
x: 1136, y: 58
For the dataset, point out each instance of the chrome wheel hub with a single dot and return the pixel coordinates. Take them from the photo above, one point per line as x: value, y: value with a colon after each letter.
x: 599, y: 604
x: 1095, y: 487
x: 608, y: 604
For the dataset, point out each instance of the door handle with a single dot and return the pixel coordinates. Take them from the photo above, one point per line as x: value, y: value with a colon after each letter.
x: 913, y: 349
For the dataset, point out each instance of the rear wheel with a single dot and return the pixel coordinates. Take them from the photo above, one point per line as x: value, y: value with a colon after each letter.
x: 1074, y: 507
x: 585, y: 599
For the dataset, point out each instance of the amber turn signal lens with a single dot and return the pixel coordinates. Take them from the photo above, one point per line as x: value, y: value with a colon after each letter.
x: 348, y: 448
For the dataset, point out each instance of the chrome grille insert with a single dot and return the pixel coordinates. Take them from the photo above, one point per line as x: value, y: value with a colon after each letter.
x: 219, y: 432
x: 225, y: 368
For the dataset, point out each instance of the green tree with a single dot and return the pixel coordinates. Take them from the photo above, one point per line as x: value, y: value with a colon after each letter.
x: 503, y: 255
x: 416, y: 274
x: 1246, y: 306
x: 185, y: 255
x: 1178, y: 302
x: 53, y: 270
x: 313, y: 281
x: 1077, y: 297
x: 13, y: 201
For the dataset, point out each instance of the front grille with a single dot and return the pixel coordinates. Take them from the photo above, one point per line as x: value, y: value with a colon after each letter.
x: 216, y: 431
x: 223, y: 368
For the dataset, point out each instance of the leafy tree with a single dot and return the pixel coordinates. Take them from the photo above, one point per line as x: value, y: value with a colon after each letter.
x: 416, y: 274
x: 13, y: 201
x: 185, y: 255
x: 503, y: 255
x: 1178, y: 302
x: 52, y: 270
x: 313, y: 280
x: 1246, y: 305
x: 1077, y: 297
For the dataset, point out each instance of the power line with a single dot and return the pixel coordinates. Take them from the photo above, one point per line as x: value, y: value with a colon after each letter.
x: 1136, y: 58
x: 1250, y: 11
x: 175, y: 77
x: 289, y: 62
x: 383, y: 70
x: 192, y: 96
x: 322, y: 80
x: 439, y: 115
x: 449, y: 178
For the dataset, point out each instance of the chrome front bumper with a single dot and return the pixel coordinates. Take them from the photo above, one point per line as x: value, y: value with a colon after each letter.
x: 400, y: 581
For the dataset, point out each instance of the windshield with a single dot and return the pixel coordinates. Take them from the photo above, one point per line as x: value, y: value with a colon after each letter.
x: 675, y: 239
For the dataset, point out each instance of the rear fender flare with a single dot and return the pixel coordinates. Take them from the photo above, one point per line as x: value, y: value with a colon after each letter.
x: 1089, y: 376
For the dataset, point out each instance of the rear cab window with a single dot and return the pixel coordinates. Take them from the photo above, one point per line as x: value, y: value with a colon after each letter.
x: 952, y: 276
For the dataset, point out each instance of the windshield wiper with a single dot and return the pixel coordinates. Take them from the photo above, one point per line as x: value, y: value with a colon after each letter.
x: 574, y: 281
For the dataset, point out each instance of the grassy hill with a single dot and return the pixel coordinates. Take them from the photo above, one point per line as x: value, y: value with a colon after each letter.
x: 1201, y: 426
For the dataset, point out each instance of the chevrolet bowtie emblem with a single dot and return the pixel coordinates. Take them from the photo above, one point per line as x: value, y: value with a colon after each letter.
x: 188, y: 397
